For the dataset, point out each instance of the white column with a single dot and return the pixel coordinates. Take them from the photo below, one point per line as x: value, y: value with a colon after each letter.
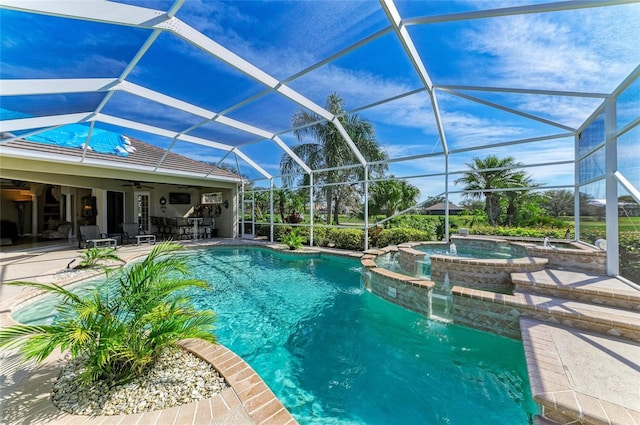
x: 576, y: 189
x: 611, y: 165
x: 271, y: 209
x: 101, y: 201
x: 242, y: 212
x: 446, y: 198
x: 34, y: 214
x: 311, y: 209
x: 366, y: 208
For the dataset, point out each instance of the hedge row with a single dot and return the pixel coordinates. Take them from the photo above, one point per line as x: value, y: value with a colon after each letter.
x: 629, y: 251
x: 353, y: 239
x: 521, y: 232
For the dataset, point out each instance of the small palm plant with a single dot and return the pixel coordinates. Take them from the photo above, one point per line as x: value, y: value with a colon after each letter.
x: 93, y: 257
x: 292, y: 239
x: 120, y: 332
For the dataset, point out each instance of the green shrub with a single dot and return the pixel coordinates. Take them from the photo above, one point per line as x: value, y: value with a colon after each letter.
x: 592, y: 234
x: 441, y: 226
x: 417, y: 222
x: 280, y: 231
x: 119, y: 332
x: 374, y: 234
x: 263, y: 230
x: 630, y: 255
x: 401, y: 235
x: 521, y: 232
x: 320, y: 236
x: 352, y: 239
x: 292, y: 239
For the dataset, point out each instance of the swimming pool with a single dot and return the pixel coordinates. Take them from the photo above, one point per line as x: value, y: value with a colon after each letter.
x: 500, y: 252
x: 335, y: 354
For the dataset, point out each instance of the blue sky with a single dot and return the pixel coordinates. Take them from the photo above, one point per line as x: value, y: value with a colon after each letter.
x: 589, y: 50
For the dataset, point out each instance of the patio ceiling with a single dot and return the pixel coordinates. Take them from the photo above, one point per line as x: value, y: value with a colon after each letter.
x: 219, y: 81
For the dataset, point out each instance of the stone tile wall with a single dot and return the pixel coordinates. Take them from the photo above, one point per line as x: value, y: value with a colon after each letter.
x: 499, y: 313
x: 407, y: 257
x: 585, y: 259
x: 491, y: 275
x: 408, y: 292
x: 483, y: 244
x: 488, y: 314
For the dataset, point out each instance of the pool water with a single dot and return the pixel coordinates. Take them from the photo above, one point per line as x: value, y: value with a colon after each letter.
x: 336, y: 354
x: 504, y: 252
x: 501, y: 253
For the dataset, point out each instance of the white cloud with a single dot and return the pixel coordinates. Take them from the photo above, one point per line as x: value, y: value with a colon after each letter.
x: 467, y: 130
x: 567, y: 111
x: 558, y: 51
x: 404, y: 149
x: 590, y: 50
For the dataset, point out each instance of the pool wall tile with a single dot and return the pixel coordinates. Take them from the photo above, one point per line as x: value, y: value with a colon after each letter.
x: 411, y: 293
x: 584, y: 259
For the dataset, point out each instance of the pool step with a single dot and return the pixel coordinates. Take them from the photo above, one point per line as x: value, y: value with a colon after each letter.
x: 611, y: 321
x: 579, y: 286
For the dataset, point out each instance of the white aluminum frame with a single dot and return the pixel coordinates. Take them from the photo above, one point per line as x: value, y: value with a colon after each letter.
x: 159, y: 22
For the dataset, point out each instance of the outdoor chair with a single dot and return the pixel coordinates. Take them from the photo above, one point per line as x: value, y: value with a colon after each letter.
x: 90, y: 236
x: 129, y: 230
x: 170, y: 228
x: 133, y: 233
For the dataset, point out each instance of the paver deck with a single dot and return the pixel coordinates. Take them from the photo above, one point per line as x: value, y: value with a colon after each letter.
x: 579, y: 374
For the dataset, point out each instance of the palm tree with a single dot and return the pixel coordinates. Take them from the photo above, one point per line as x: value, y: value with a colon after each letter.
x: 491, y: 173
x: 121, y: 331
x: 281, y: 199
x: 515, y: 197
x: 392, y: 196
x: 328, y: 149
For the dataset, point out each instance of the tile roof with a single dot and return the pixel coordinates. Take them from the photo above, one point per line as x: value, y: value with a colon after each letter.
x: 440, y: 206
x: 145, y: 155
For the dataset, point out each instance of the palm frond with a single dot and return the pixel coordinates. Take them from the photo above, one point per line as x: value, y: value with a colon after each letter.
x: 12, y: 336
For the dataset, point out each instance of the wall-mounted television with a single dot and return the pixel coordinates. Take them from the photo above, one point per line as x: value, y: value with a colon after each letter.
x: 179, y: 198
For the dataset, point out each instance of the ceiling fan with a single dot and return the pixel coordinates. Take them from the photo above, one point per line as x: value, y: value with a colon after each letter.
x: 138, y: 185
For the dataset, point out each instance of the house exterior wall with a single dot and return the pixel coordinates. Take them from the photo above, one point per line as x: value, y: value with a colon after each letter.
x: 82, y: 180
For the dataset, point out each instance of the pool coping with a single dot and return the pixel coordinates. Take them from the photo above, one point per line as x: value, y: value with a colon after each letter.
x: 557, y: 380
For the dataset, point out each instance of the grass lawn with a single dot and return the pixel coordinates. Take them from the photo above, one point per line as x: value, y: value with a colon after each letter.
x: 625, y: 224
x: 346, y: 219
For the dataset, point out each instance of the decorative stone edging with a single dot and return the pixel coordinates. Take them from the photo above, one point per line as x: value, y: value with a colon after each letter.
x: 259, y: 401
